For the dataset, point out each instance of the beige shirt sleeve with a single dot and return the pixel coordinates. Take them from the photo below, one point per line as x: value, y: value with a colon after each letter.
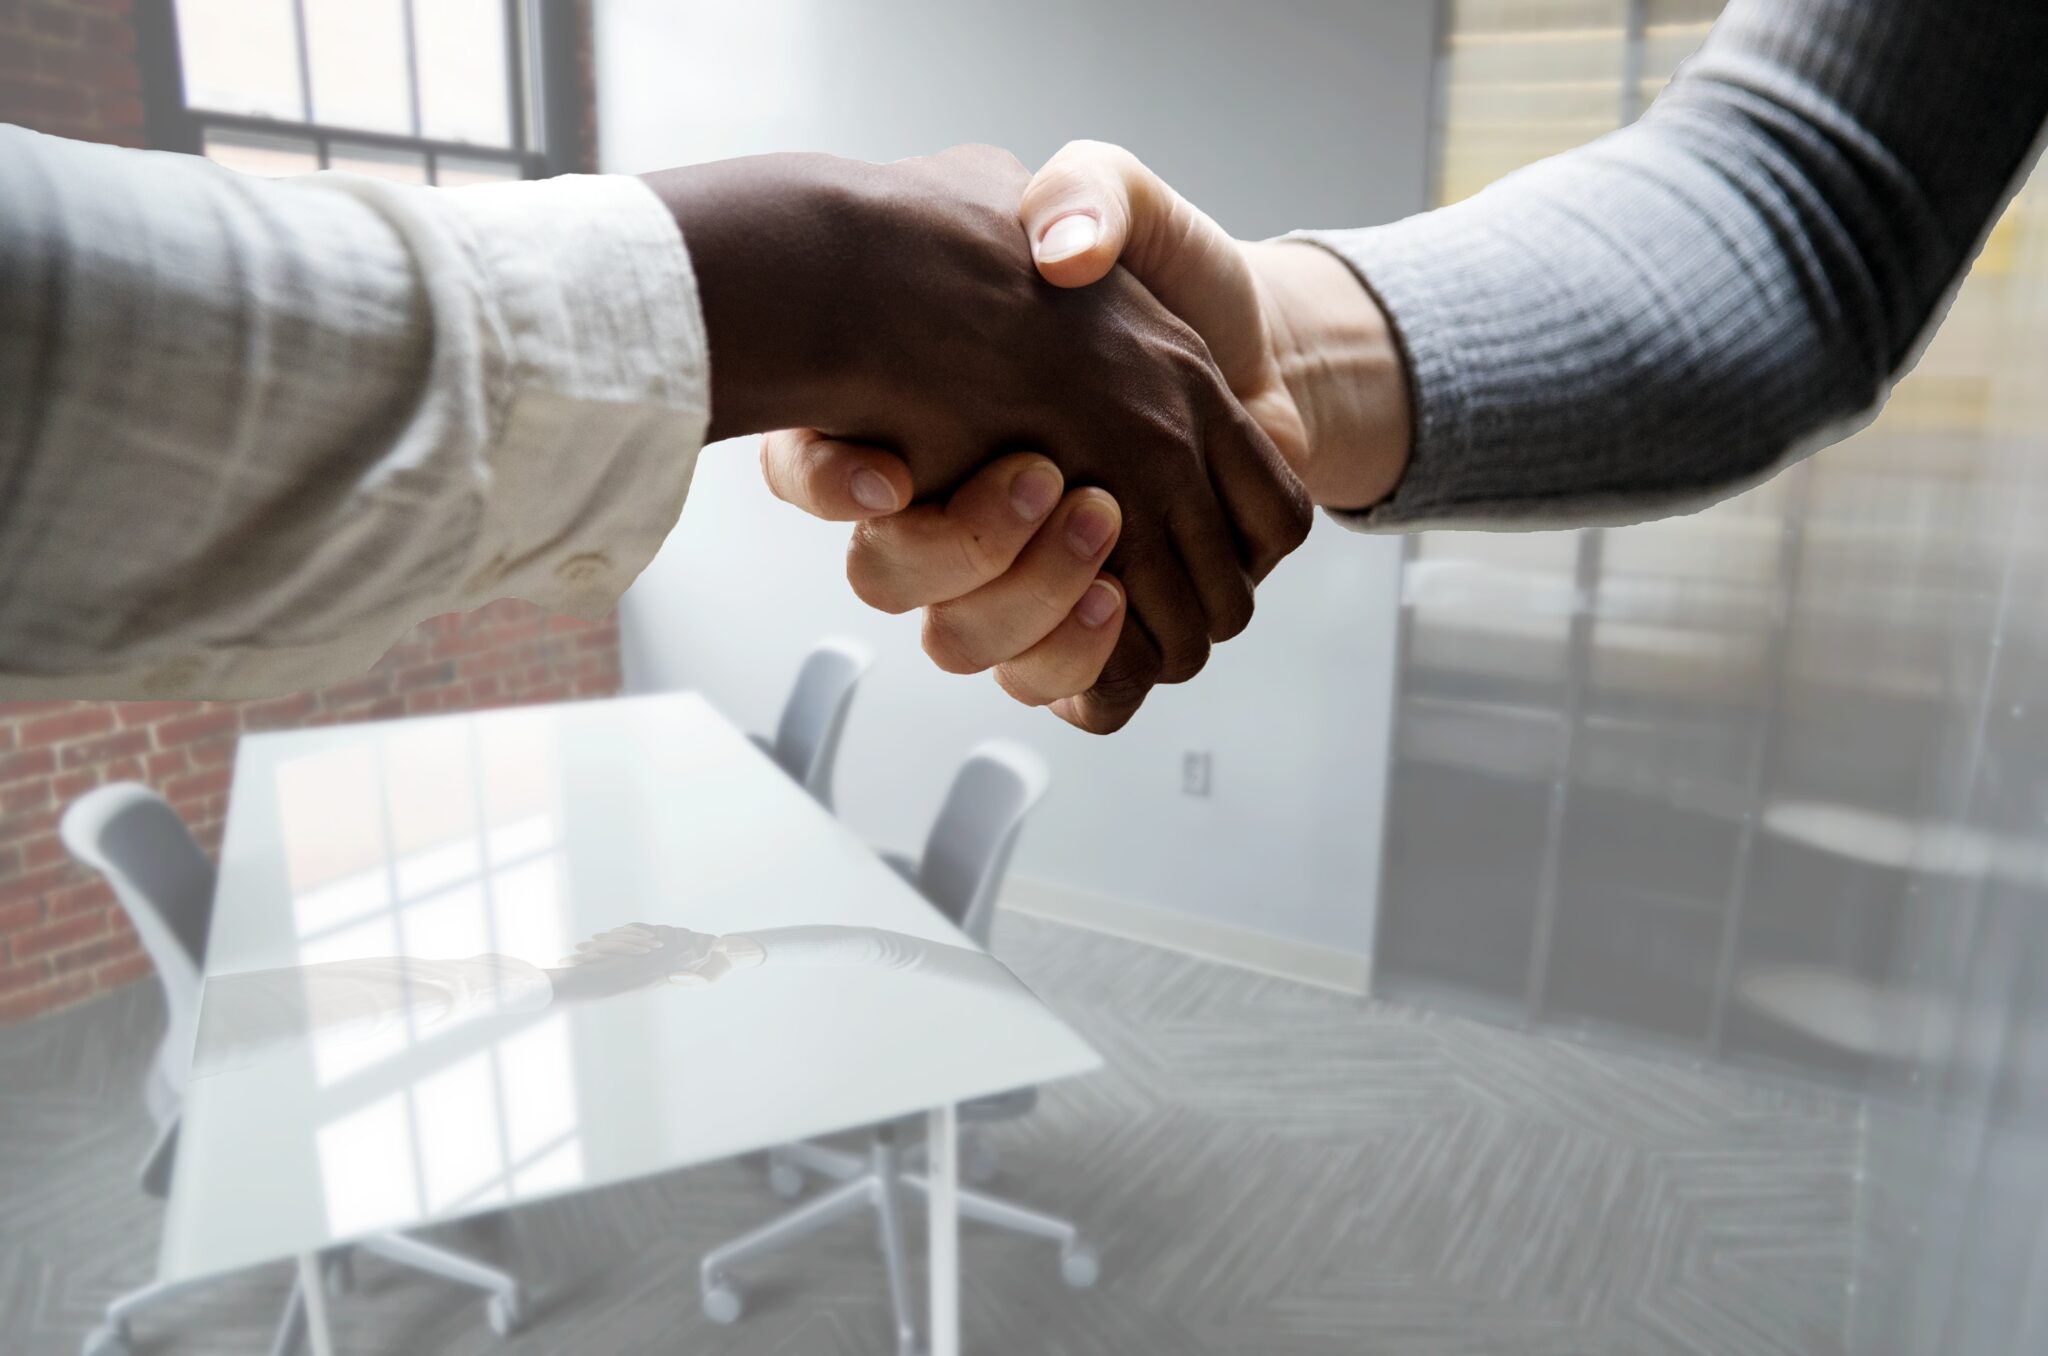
x: 251, y: 431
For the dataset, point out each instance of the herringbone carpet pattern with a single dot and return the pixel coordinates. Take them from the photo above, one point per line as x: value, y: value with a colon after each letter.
x: 1267, y: 1169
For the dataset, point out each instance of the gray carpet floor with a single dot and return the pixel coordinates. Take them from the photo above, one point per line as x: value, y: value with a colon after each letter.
x: 1267, y: 1169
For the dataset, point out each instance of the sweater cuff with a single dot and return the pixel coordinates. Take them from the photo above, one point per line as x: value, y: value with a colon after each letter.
x: 1420, y: 271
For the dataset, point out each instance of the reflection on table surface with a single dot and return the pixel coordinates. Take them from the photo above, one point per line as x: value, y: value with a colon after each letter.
x: 392, y: 1002
x: 462, y: 962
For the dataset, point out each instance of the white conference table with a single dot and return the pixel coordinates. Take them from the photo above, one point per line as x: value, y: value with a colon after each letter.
x: 359, y: 850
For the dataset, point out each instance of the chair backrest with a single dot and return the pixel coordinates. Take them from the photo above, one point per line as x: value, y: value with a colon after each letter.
x: 968, y: 851
x: 132, y: 837
x: 807, y: 738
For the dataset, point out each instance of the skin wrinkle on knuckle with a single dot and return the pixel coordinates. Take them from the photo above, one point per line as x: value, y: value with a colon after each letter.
x: 820, y: 457
x: 1183, y: 645
x: 774, y: 466
x: 945, y: 645
x: 1125, y: 681
x: 1184, y: 663
x: 871, y: 571
x: 1100, y: 717
x: 1021, y: 692
x: 1232, y: 621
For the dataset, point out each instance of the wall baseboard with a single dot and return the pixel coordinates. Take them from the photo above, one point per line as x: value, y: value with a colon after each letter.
x: 1282, y: 957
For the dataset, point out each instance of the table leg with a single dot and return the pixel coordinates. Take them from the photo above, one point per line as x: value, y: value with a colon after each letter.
x: 313, y: 1291
x: 943, y: 1202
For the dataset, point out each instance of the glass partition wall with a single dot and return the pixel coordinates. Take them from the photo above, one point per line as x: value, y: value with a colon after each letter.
x: 1659, y: 783
x: 1953, y: 1193
x: 1581, y: 714
x: 1767, y: 784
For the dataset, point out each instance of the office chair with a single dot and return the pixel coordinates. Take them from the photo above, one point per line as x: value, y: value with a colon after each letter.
x: 965, y: 860
x: 806, y: 739
x: 133, y: 838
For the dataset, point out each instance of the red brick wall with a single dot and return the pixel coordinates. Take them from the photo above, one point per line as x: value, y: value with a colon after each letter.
x: 67, y: 67
x: 62, y: 936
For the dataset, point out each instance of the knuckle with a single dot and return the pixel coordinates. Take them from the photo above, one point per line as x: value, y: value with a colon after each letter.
x: 1125, y: 680
x: 1102, y: 717
x: 871, y: 575
x: 1020, y: 689
x: 773, y: 453
x: 1059, y: 182
x: 1292, y: 523
x: 814, y: 462
x: 1301, y: 513
x: 1184, y: 661
x: 947, y: 645
x: 1233, y: 616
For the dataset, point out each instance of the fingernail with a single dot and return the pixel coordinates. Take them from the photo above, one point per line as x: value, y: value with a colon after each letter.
x: 1068, y: 236
x: 1089, y: 528
x: 871, y: 490
x: 1033, y: 493
x: 1097, y: 605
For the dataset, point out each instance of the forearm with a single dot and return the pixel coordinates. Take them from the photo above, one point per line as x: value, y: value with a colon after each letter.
x: 255, y: 430
x: 1663, y: 317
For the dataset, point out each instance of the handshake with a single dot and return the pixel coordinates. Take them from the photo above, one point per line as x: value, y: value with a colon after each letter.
x: 1081, y: 471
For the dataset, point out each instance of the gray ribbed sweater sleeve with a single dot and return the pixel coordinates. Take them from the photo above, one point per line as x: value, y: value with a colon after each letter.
x: 1666, y: 315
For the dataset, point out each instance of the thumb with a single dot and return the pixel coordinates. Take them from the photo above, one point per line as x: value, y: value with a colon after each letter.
x: 1080, y: 209
x: 1095, y: 204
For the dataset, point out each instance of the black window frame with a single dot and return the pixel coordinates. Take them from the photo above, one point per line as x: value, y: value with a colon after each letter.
x: 544, y: 86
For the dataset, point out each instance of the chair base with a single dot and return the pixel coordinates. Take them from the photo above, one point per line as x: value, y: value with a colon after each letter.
x: 504, y: 1306
x: 873, y: 1182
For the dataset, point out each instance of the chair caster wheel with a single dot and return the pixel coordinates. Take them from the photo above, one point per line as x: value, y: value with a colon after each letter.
x: 723, y: 1302
x: 109, y: 1339
x: 785, y: 1179
x: 1079, y: 1266
x: 504, y: 1312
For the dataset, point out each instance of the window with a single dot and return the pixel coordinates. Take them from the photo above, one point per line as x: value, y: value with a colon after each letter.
x: 446, y: 92
x: 1524, y: 79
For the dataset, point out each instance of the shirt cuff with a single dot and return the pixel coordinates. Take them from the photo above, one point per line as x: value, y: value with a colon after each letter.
x: 590, y: 289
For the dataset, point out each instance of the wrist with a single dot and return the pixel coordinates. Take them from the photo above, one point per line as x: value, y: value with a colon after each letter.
x: 1340, y: 361
x: 763, y: 235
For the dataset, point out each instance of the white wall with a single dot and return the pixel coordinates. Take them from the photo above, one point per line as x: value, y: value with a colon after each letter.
x: 1271, y: 116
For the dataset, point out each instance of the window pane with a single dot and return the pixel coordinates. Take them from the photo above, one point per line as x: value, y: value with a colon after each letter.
x: 405, y: 167
x: 463, y: 71
x: 453, y: 171
x: 356, y: 49
x: 254, y: 153
x: 241, y: 56
x: 1525, y: 79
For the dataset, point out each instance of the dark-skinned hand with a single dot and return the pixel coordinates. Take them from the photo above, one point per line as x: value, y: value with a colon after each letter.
x: 898, y: 306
